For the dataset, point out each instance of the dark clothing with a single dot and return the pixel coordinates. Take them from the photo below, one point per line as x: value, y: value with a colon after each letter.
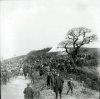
x: 25, y: 71
x: 41, y: 72
x: 48, y: 80
x: 52, y: 82
x: 25, y: 74
x: 70, y: 86
x: 59, y: 82
x: 58, y: 86
x: 28, y: 93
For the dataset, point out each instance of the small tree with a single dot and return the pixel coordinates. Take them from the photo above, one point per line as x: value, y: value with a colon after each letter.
x: 76, y: 38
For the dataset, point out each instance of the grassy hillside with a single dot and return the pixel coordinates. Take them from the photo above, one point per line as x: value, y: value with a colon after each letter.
x: 15, y: 58
x: 37, y: 52
x: 60, y: 63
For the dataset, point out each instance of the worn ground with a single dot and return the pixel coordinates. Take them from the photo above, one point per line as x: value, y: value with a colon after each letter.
x: 14, y: 90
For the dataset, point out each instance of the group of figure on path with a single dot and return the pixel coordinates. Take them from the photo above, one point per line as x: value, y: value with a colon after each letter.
x: 54, y: 82
x: 7, y: 74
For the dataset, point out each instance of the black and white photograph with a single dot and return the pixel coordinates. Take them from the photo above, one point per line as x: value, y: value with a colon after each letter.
x: 50, y: 49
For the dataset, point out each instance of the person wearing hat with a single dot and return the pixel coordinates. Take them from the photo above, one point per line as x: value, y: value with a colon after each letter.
x: 28, y: 92
x: 70, y: 86
x: 58, y: 85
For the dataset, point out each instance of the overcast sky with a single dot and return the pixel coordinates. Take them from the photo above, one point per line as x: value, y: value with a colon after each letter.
x: 27, y: 25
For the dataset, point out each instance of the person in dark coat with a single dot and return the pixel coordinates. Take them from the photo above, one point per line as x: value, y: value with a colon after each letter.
x: 58, y: 86
x: 25, y: 71
x: 48, y: 80
x: 28, y: 92
x: 52, y: 81
x: 53, y: 76
x: 70, y: 86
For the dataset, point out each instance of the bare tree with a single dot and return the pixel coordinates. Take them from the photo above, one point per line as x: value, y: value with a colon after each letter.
x: 76, y: 38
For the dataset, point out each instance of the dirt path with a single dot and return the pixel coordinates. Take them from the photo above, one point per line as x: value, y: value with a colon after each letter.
x: 49, y: 94
x: 14, y: 89
x: 79, y: 93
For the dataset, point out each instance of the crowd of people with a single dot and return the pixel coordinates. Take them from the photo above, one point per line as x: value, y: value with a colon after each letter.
x: 10, y: 69
x: 48, y: 65
x: 54, y: 81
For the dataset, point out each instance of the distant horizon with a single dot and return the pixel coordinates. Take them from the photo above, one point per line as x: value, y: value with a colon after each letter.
x: 44, y: 48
